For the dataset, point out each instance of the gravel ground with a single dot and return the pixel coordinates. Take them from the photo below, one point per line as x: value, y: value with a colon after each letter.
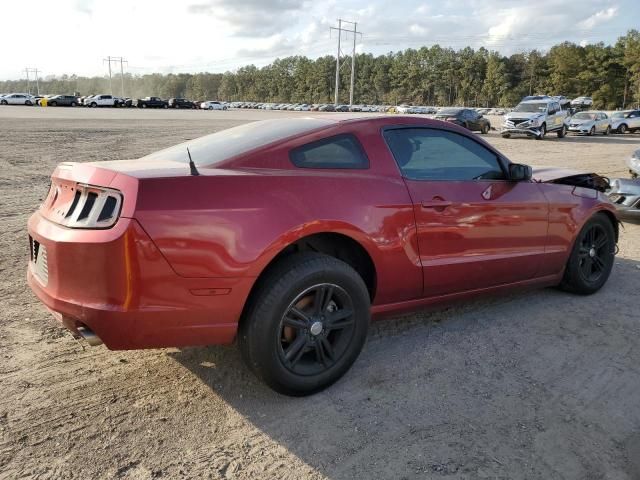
x: 536, y: 385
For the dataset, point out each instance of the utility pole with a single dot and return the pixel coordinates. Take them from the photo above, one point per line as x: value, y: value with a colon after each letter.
x: 353, y: 63
x: 353, y: 58
x: 108, y: 60
x: 120, y: 60
x: 337, y: 64
x: 32, y: 70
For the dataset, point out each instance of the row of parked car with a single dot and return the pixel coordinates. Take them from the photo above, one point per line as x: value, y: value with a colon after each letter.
x: 105, y: 100
x: 539, y: 116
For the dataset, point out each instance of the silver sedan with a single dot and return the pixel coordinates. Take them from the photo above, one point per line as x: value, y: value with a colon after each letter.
x: 590, y: 123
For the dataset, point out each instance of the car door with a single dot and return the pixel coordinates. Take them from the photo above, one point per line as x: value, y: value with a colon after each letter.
x: 554, y: 117
x: 603, y: 122
x: 475, y: 228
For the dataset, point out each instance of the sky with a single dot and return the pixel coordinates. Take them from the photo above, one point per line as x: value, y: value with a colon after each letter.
x: 74, y: 36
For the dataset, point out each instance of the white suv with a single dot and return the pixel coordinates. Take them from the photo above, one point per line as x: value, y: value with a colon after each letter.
x: 101, y: 101
x: 535, y: 118
x: 17, y: 99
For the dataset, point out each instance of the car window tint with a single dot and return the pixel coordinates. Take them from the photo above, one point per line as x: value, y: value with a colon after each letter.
x: 341, y: 151
x: 430, y: 154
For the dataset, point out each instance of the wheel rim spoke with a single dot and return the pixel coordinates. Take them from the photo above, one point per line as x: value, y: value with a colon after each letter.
x: 299, y: 314
x: 322, y: 298
x: 295, y: 323
x: 586, y: 267
x: 601, y: 241
x: 598, y: 264
x: 295, y: 350
x: 340, y: 319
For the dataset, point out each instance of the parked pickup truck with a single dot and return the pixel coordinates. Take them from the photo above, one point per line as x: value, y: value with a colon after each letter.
x: 535, y: 118
x: 151, y: 102
x: 101, y: 101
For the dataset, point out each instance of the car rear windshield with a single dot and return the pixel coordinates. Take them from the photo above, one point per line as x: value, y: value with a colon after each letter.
x: 212, y: 149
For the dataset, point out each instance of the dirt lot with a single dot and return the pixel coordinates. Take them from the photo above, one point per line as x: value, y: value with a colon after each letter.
x: 539, y: 385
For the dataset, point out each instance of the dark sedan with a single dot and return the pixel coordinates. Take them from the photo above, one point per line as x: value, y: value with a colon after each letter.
x: 181, y: 103
x: 465, y: 117
x: 62, y: 101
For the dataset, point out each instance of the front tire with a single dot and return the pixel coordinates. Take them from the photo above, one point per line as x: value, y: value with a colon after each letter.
x: 563, y: 132
x: 607, y: 131
x: 622, y: 128
x: 592, y: 131
x: 592, y: 256
x: 485, y: 129
x: 543, y: 132
x: 306, y: 323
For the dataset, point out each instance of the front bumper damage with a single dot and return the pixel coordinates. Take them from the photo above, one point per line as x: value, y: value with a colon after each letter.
x: 625, y: 195
x: 510, y: 127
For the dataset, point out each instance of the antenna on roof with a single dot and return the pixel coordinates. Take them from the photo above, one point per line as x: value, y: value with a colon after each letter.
x: 192, y: 166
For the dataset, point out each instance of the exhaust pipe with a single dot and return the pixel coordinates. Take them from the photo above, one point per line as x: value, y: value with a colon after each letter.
x: 91, y: 338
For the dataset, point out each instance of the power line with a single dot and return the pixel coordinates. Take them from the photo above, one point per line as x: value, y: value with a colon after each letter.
x: 120, y: 60
x: 353, y: 57
x: 33, y: 70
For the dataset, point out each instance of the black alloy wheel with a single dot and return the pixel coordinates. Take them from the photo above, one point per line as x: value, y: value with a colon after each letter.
x: 592, y: 257
x: 316, y: 329
x: 306, y: 323
x: 594, y: 253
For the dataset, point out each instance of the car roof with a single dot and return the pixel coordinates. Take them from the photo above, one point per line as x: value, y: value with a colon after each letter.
x: 542, y: 100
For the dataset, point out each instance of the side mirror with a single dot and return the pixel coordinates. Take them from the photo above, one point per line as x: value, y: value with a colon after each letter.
x: 519, y: 172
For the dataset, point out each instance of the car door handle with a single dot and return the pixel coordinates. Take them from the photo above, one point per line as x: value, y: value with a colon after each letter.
x: 437, y: 204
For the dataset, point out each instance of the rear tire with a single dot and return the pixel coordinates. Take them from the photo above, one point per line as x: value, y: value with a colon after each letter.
x: 28, y: 103
x: 592, y: 256
x: 3, y: 102
x: 305, y: 324
x: 73, y: 104
x: 607, y: 131
x: 485, y: 129
x: 506, y: 135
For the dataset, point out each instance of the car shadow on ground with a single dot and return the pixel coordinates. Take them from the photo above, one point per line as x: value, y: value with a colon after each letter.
x: 499, y: 387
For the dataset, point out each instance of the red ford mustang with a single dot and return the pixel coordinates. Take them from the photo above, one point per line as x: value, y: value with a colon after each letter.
x: 289, y: 234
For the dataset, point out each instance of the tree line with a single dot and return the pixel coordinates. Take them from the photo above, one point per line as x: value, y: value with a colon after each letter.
x: 426, y: 76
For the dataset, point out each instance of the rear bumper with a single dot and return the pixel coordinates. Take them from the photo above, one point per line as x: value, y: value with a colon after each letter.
x: 117, y: 283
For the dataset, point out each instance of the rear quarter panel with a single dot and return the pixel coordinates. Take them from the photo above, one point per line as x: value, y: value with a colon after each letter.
x: 233, y: 225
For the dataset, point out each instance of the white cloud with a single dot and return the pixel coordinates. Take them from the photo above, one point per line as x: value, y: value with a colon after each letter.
x: 218, y: 35
x: 599, y: 17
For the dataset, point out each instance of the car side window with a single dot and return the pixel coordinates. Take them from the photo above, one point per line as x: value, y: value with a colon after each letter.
x: 341, y: 151
x: 431, y: 154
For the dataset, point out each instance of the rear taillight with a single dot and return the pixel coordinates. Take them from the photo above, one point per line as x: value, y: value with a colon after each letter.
x: 90, y: 207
